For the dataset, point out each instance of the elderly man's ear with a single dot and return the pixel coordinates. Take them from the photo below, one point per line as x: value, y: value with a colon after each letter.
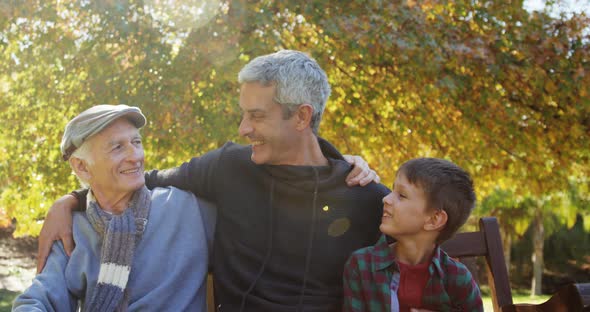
x: 80, y: 167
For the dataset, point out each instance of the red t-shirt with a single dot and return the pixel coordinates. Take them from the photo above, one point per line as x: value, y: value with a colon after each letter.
x: 412, y: 281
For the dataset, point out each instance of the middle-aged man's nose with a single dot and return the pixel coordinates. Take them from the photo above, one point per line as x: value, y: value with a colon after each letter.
x: 244, y: 128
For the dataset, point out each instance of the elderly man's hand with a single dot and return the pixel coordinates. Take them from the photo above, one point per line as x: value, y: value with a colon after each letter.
x: 57, y: 226
x: 361, y: 174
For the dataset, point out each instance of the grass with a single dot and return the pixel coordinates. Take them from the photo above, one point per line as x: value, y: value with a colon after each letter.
x: 518, y: 296
x: 6, y: 298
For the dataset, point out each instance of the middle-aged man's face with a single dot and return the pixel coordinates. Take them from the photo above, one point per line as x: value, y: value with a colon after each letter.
x: 272, y: 137
x: 117, y: 155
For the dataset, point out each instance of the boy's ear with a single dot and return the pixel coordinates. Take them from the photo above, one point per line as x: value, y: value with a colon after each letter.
x: 437, y: 220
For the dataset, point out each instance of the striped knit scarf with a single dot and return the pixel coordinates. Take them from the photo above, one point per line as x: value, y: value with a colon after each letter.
x: 120, y: 235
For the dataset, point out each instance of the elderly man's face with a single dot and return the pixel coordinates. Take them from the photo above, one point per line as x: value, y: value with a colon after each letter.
x: 117, y: 159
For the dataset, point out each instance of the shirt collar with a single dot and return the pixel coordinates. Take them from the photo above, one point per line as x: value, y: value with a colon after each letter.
x: 437, y: 262
x: 384, y: 257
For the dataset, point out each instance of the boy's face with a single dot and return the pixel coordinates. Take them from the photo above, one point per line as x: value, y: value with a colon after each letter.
x: 404, y: 210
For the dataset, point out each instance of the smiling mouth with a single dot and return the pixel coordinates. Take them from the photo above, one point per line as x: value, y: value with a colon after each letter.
x: 256, y: 143
x: 386, y: 215
x: 128, y: 171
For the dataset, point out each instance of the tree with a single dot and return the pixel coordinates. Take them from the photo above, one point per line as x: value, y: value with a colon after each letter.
x: 512, y: 213
x: 487, y: 85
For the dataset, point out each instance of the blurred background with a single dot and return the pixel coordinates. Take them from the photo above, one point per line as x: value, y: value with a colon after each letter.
x: 501, y: 88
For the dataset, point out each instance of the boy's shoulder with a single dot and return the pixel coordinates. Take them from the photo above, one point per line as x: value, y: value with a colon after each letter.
x: 448, y: 261
x: 361, y: 255
x: 378, y: 254
x: 361, y: 260
x: 362, y: 252
x: 453, y: 269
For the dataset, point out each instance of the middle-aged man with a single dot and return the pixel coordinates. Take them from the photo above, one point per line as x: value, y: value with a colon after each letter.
x: 287, y: 221
x: 136, y: 249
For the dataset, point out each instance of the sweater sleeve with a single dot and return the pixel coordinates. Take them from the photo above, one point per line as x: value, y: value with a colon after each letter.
x: 209, y: 216
x: 196, y: 175
x: 353, y: 298
x: 49, y: 291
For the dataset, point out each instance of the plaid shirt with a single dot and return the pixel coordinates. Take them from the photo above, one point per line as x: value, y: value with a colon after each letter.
x: 369, y: 271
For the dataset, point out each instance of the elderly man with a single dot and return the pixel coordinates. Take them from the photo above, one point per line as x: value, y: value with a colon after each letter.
x: 287, y: 220
x: 136, y: 249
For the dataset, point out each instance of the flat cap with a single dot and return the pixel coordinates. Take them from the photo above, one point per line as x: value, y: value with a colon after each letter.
x: 92, y: 121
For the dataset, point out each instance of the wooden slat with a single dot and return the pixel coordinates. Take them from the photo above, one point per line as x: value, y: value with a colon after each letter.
x: 468, y: 244
x: 210, y: 298
x: 495, y: 260
x: 487, y: 243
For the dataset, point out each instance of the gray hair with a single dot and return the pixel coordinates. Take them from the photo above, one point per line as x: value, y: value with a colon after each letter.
x: 83, y: 153
x: 298, y: 80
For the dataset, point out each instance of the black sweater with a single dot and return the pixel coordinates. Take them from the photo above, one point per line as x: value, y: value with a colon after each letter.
x: 283, y: 232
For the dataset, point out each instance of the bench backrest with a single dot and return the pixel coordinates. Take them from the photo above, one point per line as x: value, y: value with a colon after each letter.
x: 487, y: 243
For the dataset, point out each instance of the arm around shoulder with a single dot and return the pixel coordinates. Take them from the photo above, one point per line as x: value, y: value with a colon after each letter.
x: 57, y: 226
x: 49, y: 291
x: 196, y: 175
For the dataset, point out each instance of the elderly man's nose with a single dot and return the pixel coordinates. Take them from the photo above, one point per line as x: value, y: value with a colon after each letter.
x: 135, y: 153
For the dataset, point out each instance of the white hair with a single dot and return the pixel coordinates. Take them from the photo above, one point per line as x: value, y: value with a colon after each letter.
x: 83, y: 153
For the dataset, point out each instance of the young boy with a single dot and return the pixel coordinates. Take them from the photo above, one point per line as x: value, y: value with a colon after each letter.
x: 431, y: 199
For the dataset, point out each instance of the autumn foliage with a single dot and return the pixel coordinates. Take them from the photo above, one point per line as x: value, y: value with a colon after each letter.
x: 499, y: 90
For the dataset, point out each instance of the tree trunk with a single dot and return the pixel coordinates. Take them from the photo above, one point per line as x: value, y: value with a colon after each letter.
x: 506, y: 245
x: 538, y: 241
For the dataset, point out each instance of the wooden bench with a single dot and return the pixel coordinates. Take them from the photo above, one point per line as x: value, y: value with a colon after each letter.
x: 570, y: 298
x: 487, y: 243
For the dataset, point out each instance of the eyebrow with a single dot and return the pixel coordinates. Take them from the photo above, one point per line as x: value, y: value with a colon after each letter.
x: 254, y: 110
x: 114, y: 142
x: 401, y: 187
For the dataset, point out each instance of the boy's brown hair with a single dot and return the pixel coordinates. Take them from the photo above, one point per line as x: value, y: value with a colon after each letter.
x: 446, y: 187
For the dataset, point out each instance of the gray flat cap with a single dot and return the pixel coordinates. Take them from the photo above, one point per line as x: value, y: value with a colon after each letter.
x: 92, y: 121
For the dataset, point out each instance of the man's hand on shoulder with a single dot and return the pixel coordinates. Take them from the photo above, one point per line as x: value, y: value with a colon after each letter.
x: 361, y: 173
x: 57, y: 226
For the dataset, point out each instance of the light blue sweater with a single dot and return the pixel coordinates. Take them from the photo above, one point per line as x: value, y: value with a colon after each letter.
x: 169, y: 266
